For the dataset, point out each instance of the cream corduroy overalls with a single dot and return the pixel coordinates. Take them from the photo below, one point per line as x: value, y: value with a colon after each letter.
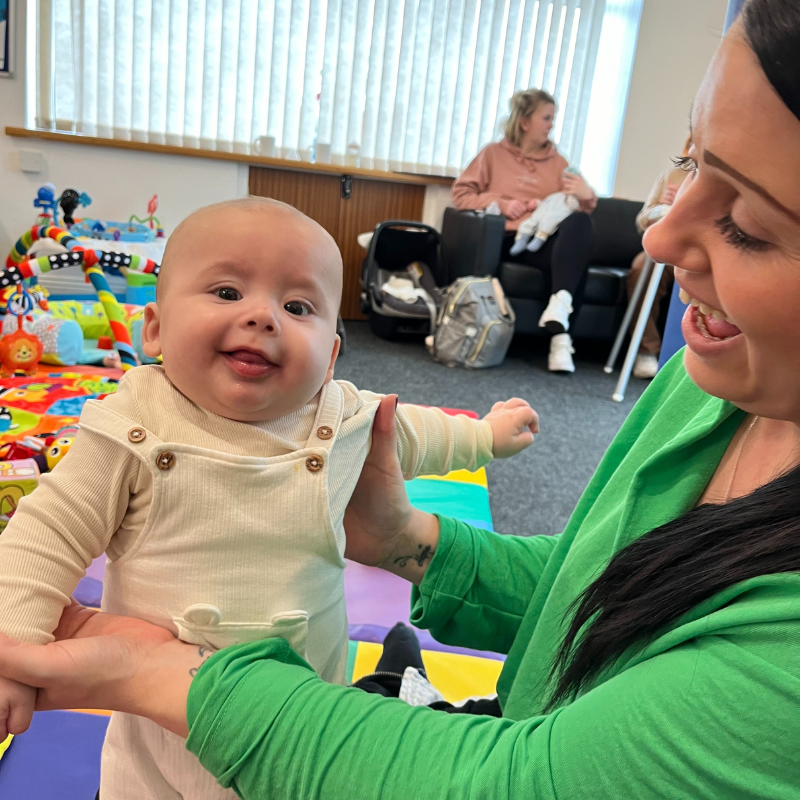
x: 234, y: 549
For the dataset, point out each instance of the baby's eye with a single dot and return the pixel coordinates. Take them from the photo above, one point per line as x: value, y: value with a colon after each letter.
x: 228, y: 293
x: 297, y: 308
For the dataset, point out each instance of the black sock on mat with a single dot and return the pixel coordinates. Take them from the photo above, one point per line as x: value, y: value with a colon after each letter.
x: 400, y: 650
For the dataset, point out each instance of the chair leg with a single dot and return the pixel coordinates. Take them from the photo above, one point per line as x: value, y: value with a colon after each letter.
x: 638, y: 332
x: 626, y: 320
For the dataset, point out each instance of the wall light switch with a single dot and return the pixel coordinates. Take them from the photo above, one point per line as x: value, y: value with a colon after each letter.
x: 31, y: 161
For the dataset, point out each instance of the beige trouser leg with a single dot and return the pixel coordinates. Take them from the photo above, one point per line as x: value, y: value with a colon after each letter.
x: 142, y: 761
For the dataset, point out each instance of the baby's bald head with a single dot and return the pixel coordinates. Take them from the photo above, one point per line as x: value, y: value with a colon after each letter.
x: 269, y: 216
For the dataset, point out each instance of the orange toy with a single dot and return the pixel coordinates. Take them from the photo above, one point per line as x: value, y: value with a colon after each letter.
x: 20, y: 352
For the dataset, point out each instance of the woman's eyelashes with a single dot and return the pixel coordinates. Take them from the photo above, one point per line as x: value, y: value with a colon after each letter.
x: 732, y: 233
x: 686, y: 163
x: 736, y: 237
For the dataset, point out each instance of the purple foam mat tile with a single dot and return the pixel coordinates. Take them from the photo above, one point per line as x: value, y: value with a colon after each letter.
x: 374, y: 596
x: 88, y: 592
x: 97, y: 568
x: 377, y: 633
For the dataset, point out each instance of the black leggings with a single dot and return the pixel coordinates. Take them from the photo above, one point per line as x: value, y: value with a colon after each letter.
x: 400, y: 650
x: 565, y: 256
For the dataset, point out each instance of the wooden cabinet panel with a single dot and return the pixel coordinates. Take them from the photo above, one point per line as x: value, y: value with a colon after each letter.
x: 319, y: 196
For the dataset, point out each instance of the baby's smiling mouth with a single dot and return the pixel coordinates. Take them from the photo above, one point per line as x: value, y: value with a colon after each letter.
x: 249, y: 363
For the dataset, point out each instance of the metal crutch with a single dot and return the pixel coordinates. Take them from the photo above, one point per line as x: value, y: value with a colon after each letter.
x: 638, y: 332
x: 626, y: 320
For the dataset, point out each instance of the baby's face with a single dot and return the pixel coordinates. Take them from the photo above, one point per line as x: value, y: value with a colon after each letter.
x: 246, y: 315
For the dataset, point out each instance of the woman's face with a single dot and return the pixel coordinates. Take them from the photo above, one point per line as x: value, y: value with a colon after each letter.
x: 536, y: 127
x: 733, y: 235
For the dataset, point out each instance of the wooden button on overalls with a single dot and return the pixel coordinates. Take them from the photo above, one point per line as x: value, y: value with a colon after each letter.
x: 165, y: 460
x: 324, y: 432
x: 137, y: 435
x: 314, y: 463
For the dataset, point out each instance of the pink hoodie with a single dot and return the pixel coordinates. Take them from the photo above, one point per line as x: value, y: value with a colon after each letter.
x: 502, y: 171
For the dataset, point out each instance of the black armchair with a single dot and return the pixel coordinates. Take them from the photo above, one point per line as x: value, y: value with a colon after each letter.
x: 473, y: 243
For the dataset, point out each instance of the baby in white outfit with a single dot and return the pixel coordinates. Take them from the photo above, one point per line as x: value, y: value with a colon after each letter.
x: 217, y: 483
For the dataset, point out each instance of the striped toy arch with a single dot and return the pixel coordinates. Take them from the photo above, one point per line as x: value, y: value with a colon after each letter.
x: 19, y: 267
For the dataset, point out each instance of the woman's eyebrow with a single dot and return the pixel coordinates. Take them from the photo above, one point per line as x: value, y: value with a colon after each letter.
x: 715, y: 161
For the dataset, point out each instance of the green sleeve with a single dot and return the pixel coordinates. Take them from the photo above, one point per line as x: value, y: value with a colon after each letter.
x: 479, y: 585
x: 705, y: 720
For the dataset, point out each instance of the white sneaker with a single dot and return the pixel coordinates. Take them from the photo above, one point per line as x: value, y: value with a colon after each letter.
x: 645, y: 366
x: 561, y: 350
x: 555, y: 318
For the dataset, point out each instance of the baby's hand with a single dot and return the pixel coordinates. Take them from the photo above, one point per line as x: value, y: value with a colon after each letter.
x: 16, y: 707
x: 513, y: 424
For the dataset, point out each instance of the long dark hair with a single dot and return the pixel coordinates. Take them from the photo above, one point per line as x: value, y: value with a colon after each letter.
x: 772, y: 28
x: 664, y: 574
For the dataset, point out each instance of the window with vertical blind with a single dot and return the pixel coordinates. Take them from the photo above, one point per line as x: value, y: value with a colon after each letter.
x: 409, y: 85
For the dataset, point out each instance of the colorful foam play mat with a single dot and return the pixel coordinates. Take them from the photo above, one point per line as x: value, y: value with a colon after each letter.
x: 60, y: 755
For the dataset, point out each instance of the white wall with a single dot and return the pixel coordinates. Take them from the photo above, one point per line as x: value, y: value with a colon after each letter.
x: 677, y: 39
x: 119, y: 182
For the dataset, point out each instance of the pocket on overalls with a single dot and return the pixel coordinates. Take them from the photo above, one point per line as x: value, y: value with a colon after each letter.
x: 202, y: 624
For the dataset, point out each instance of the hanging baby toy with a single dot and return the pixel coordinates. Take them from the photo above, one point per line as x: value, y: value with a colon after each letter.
x: 20, y: 351
x: 20, y: 266
x: 151, y: 219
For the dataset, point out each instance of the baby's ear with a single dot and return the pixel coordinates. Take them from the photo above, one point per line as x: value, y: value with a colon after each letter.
x: 151, y: 329
x: 334, y: 355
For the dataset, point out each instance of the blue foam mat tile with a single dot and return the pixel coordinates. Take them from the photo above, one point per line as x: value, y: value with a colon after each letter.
x: 57, y: 759
x: 464, y: 501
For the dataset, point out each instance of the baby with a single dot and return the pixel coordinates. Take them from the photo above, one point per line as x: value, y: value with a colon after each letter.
x: 217, y: 483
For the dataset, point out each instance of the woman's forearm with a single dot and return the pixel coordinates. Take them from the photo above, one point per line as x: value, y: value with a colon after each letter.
x: 161, y: 690
x: 415, y: 547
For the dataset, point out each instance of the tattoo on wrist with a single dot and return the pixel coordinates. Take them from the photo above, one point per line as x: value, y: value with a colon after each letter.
x: 425, y: 554
x: 204, y: 654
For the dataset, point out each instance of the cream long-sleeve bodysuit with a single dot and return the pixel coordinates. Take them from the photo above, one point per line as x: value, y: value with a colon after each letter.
x: 221, y: 531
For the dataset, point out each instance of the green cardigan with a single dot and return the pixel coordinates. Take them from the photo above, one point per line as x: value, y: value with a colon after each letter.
x: 710, y: 709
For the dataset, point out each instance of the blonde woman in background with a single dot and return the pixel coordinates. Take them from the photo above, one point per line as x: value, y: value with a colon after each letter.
x: 516, y: 173
x: 661, y: 197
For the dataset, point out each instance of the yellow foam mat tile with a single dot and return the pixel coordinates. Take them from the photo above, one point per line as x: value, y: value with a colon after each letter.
x: 461, y: 476
x: 456, y: 676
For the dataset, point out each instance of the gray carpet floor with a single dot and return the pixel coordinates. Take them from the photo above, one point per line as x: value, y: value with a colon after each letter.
x: 536, y: 491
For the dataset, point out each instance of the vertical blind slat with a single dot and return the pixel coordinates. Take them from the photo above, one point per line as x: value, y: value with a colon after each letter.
x: 417, y: 85
x: 312, y: 79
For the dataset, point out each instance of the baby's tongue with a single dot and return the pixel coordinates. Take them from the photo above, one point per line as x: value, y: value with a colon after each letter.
x: 249, y: 358
x: 720, y: 328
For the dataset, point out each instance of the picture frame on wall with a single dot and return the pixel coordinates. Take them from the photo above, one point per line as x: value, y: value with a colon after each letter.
x: 6, y: 38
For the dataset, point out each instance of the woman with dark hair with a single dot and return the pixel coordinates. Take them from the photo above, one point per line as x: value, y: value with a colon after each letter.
x: 518, y: 172
x: 653, y: 646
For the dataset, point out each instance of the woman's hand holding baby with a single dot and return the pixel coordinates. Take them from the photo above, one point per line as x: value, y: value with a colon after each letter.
x: 16, y: 706
x: 668, y: 195
x: 100, y: 660
x: 383, y: 528
x: 513, y: 424
x: 576, y: 186
x: 512, y: 209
